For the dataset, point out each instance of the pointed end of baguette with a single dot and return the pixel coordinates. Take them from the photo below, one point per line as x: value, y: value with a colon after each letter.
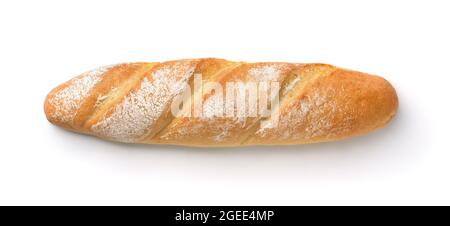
x: 50, y: 107
x: 372, y: 101
x: 63, y: 102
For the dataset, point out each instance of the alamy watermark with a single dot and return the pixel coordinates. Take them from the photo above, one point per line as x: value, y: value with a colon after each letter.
x: 235, y: 99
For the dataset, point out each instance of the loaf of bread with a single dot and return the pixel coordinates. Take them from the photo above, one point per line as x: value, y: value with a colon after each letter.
x: 215, y: 103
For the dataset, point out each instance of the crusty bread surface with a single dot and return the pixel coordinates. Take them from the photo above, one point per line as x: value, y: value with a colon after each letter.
x: 133, y: 103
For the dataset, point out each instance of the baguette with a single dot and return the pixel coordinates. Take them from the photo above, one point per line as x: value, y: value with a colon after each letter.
x: 189, y: 102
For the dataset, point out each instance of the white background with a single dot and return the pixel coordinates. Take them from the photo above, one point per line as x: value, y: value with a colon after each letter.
x: 44, y: 43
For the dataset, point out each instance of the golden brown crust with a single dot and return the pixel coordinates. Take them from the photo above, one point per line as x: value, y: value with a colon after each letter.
x: 132, y: 103
x: 340, y: 104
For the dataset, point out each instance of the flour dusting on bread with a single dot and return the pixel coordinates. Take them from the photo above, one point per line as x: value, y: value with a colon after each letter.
x: 132, y: 118
x: 269, y: 72
x: 312, y: 116
x: 68, y: 100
